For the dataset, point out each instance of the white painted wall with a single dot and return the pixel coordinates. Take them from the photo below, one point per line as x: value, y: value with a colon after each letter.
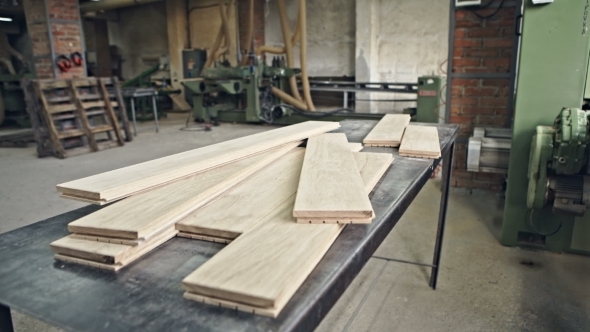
x: 409, y: 39
x: 330, y: 34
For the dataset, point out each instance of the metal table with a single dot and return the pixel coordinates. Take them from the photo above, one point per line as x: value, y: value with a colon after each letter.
x: 133, y: 93
x: 147, y: 295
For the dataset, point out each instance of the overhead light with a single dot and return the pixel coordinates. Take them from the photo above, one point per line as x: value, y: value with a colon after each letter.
x: 5, y: 19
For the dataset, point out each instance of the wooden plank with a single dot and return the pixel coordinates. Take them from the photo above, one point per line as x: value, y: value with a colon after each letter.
x: 110, y: 112
x: 106, y: 239
x: 130, y: 254
x: 122, y: 109
x: 261, y: 270
x: 389, y: 131
x: 53, y: 135
x: 247, y: 204
x: 204, y: 238
x: 54, y: 109
x: 142, y: 215
x: 355, y: 147
x: 421, y: 142
x: 126, y: 181
x: 70, y: 133
x: 102, y: 252
x: 82, y: 117
x: 330, y: 184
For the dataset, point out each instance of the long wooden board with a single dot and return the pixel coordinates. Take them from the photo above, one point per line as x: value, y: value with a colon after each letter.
x: 261, y: 270
x: 372, y: 166
x: 389, y: 131
x: 123, y: 182
x: 420, y: 142
x: 245, y: 205
x: 330, y: 184
x: 116, y: 255
x: 140, y: 216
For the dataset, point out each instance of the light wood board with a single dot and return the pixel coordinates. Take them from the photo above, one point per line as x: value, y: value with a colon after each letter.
x: 330, y: 184
x: 108, y: 253
x: 389, y: 131
x: 129, y: 180
x: 421, y: 142
x: 261, y: 270
x: 245, y: 205
x: 372, y: 166
x: 140, y: 216
x: 355, y: 147
x: 106, y: 239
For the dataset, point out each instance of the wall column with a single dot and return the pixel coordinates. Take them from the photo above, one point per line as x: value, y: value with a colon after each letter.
x: 367, y: 49
x: 176, y: 16
x: 55, y: 29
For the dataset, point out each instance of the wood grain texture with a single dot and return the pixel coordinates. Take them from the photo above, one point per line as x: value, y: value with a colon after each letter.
x: 421, y: 142
x: 129, y: 180
x: 389, y: 131
x: 330, y: 184
x: 247, y: 204
x: 355, y: 147
x: 204, y: 238
x: 108, y: 253
x: 140, y: 216
x: 261, y: 270
x: 106, y: 239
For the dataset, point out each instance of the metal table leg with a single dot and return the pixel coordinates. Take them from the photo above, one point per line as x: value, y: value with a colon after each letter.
x: 5, y: 319
x: 442, y: 215
x: 133, y: 115
x: 155, y: 113
x: 345, y: 99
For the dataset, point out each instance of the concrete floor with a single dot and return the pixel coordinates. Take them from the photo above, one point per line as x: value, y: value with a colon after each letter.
x: 482, y: 285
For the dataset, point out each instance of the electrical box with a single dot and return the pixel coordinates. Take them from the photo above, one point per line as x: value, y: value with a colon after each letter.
x: 464, y: 3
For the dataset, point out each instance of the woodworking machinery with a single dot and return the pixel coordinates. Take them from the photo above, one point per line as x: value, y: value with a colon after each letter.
x: 548, y: 188
x: 245, y: 94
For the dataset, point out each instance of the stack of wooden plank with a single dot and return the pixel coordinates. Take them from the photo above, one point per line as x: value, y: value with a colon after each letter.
x: 77, y: 115
x: 242, y: 192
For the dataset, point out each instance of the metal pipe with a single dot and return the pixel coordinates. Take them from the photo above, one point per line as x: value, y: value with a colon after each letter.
x: 224, y: 22
x: 212, y: 55
x: 288, y: 99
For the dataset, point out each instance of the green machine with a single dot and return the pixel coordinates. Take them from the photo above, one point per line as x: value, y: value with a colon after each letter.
x: 245, y: 94
x: 548, y: 178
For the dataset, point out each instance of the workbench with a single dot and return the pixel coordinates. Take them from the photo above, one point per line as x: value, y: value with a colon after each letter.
x: 147, y: 295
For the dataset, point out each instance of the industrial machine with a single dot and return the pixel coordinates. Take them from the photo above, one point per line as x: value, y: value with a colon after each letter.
x: 255, y: 94
x: 548, y: 189
x: 488, y: 150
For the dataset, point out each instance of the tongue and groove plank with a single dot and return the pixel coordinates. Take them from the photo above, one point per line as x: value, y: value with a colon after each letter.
x: 123, y: 182
x: 245, y: 205
x: 420, y: 142
x: 389, y: 131
x: 371, y: 166
x: 108, y: 254
x: 331, y: 185
x: 141, y: 216
x: 261, y: 270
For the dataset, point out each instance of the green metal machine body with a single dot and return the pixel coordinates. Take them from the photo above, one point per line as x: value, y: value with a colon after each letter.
x: 429, y: 102
x: 552, y: 76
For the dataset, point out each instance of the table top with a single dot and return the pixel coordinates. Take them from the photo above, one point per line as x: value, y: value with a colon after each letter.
x: 147, y: 295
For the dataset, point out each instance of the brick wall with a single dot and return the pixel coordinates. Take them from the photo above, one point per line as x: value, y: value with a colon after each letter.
x: 243, y: 17
x: 62, y: 31
x: 480, y: 47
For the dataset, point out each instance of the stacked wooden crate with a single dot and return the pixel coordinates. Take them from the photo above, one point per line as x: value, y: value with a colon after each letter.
x: 76, y: 116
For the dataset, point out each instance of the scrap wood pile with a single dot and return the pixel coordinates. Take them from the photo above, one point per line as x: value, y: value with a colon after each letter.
x: 258, y: 193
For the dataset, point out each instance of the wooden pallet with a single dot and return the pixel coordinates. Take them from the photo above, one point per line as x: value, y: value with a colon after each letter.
x: 76, y: 116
